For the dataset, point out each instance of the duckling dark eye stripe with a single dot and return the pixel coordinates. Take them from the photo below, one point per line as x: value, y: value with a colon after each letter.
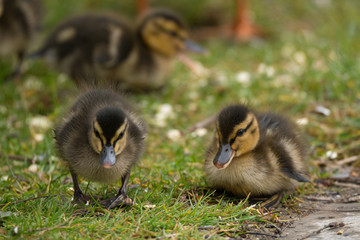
x: 249, y: 125
x: 170, y: 32
x: 118, y: 138
x: 97, y: 134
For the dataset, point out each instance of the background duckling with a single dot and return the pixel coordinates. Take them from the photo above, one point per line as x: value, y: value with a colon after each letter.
x: 107, y: 47
x: 101, y: 139
x: 19, y: 21
x: 258, y: 154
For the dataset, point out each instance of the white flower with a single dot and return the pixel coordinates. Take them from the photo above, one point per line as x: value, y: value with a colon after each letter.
x: 38, y: 126
x: 199, y: 132
x: 267, y: 70
x: 331, y: 154
x: 165, y: 112
x: 4, y: 178
x: 243, y: 77
x: 323, y: 110
x: 300, y: 58
x: 174, y: 135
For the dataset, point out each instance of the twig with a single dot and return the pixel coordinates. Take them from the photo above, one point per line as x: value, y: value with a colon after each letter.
x: 355, y: 180
x: 47, y: 228
x: 347, y: 160
x: 320, y: 199
x: 29, y: 199
x: 352, y: 199
x: 168, y: 236
x: 262, y: 234
x: 206, y: 227
x: 332, y: 209
x: 348, y: 185
x: 16, y: 157
x: 331, y: 225
x: 202, y: 124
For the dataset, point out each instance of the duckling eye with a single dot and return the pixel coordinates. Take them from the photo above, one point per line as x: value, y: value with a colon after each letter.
x: 241, y: 132
x: 121, y: 135
x: 172, y: 33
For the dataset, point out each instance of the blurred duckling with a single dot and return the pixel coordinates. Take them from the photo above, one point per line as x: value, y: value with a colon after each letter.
x: 105, y: 46
x: 256, y: 154
x: 101, y: 139
x: 20, y: 20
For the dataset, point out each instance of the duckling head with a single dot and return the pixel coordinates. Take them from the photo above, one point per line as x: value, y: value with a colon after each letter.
x: 237, y: 133
x: 108, y: 134
x: 164, y: 32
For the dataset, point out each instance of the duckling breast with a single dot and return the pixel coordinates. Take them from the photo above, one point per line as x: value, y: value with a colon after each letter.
x: 245, y: 175
x: 87, y: 164
x: 135, y: 73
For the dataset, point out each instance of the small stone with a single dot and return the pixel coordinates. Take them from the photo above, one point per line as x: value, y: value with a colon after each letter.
x: 302, y: 121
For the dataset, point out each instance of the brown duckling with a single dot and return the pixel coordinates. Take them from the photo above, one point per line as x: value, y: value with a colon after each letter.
x: 256, y: 154
x: 101, y: 139
x: 107, y: 47
x: 20, y: 20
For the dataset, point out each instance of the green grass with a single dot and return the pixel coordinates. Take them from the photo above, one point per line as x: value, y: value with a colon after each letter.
x: 311, y: 57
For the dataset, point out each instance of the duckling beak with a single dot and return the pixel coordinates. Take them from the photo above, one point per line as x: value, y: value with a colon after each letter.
x: 194, y: 47
x: 224, y: 156
x: 107, y: 156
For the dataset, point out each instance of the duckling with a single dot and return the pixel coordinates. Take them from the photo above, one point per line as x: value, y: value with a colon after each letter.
x: 257, y: 154
x: 107, y: 47
x: 20, y: 20
x: 100, y: 140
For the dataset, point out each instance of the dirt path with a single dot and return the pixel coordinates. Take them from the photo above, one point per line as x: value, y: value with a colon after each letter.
x: 330, y: 221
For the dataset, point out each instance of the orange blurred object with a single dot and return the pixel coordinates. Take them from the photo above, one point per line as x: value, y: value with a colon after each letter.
x: 242, y: 29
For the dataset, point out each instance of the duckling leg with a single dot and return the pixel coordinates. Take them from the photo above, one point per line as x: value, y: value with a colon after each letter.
x: 273, y: 201
x: 15, y: 74
x: 121, y: 198
x: 78, y: 194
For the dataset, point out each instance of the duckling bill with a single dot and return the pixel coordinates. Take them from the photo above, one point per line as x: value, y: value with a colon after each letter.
x: 100, y: 140
x: 256, y: 154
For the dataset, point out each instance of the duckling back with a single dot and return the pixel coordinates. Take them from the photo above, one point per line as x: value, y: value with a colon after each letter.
x: 272, y: 163
x: 89, y: 45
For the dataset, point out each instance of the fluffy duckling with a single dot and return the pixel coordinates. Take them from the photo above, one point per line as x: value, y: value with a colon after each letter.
x: 107, y: 47
x: 101, y: 139
x: 19, y: 21
x: 257, y: 154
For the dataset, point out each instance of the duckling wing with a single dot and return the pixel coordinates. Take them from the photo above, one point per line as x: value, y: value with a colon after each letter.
x: 294, y: 175
x: 281, y: 136
x: 91, y: 38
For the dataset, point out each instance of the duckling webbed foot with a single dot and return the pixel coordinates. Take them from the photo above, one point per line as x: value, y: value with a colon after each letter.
x: 273, y: 201
x: 121, y: 199
x: 79, y: 197
x: 82, y: 198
